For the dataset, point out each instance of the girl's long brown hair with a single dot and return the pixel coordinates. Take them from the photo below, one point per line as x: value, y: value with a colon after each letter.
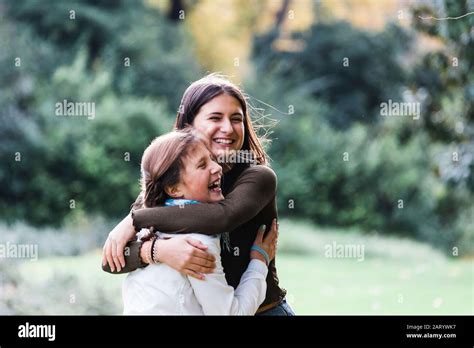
x: 202, y: 91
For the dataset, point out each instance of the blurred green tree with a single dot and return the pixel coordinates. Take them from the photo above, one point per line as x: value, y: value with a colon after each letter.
x: 341, y: 163
x: 124, y: 57
x: 338, y: 64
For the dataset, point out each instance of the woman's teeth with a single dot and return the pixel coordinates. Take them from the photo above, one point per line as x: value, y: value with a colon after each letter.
x: 224, y: 141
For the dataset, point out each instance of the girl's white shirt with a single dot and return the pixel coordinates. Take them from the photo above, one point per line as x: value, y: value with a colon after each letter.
x: 159, y: 289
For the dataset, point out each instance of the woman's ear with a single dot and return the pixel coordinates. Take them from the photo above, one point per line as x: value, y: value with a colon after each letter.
x: 174, y: 191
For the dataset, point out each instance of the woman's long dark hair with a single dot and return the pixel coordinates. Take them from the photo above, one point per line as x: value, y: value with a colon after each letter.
x: 202, y: 91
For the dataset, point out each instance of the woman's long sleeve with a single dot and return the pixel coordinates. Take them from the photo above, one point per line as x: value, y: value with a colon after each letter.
x: 252, y: 191
x: 132, y: 259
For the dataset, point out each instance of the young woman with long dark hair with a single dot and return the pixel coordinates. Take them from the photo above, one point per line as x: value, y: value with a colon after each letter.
x: 218, y: 109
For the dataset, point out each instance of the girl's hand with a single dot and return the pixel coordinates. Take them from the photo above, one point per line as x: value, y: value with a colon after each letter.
x: 268, y: 244
x: 113, y: 251
x: 185, y: 255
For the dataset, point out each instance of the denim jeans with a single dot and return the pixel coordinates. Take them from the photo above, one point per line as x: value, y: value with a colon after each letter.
x: 282, y: 309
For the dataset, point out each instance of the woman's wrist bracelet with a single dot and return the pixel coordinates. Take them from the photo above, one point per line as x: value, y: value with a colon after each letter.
x: 261, y: 251
x: 151, y: 249
x: 147, y: 252
x: 154, y: 251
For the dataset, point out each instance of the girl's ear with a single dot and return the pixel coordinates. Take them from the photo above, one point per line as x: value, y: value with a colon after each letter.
x: 174, y: 191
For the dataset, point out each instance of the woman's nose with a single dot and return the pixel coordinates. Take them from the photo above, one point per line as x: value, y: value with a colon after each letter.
x: 226, y: 126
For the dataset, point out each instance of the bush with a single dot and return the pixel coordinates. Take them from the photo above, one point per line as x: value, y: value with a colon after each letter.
x: 366, y: 177
x: 338, y: 161
x: 70, y: 163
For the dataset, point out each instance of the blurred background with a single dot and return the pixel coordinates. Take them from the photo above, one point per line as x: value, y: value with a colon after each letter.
x: 316, y: 73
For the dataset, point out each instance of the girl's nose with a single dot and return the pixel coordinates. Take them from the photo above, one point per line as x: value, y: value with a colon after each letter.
x: 216, y: 168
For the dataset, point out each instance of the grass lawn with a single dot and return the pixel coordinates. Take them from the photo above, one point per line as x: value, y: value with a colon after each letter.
x: 395, y: 277
x: 317, y: 286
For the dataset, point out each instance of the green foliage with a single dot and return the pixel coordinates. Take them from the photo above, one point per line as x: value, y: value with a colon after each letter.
x: 340, y: 163
x: 446, y: 75
x: 345, y: 67
x: 354, y: 178
x: 145, y: 53
x: 72, y: 164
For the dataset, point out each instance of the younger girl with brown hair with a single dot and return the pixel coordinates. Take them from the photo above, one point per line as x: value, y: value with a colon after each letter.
x: 178, y: 169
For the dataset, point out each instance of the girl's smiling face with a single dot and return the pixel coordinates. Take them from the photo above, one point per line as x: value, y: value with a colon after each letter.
x: 200, y: 179
x: 222, y: 120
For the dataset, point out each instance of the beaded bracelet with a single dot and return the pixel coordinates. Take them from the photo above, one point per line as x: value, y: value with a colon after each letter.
x: 154, y: 251
x: 147, y: 253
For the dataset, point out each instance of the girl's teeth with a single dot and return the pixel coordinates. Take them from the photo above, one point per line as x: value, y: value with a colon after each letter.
x: 216, y: 184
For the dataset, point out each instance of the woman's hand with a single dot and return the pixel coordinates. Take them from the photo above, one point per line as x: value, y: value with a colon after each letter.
x: 185, y: 255
x: 113, y: 251
x: 268, y: 244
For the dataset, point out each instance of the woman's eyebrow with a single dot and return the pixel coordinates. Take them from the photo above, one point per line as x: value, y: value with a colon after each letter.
x: 221, y: 114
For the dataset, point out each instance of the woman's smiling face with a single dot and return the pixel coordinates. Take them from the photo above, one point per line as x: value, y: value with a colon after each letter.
x: 222, y: 120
